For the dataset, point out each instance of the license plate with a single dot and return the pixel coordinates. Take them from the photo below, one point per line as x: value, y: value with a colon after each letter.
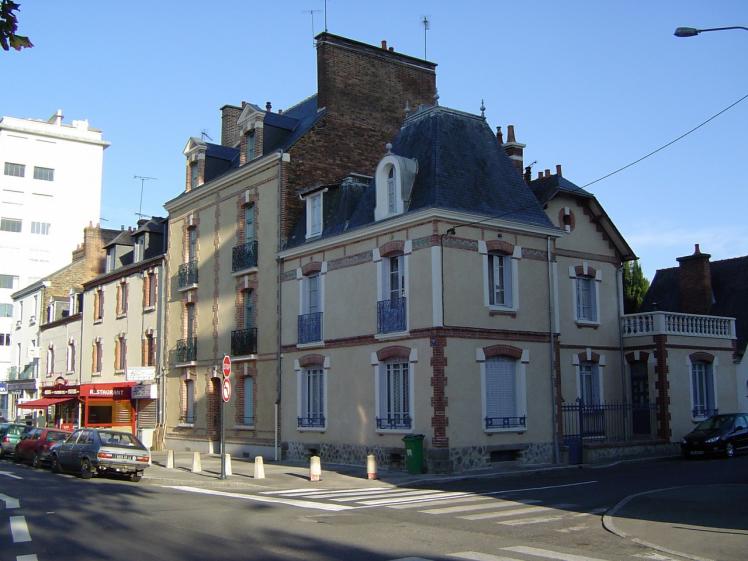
x: 123, y: 457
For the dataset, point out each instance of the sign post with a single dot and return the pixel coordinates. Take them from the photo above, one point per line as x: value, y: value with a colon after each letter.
x: 225, y: 397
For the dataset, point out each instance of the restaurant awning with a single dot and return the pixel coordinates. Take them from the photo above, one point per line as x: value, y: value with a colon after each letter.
x: 43, y: 403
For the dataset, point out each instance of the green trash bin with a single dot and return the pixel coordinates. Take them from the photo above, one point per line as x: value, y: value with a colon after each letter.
x: 414, y: 453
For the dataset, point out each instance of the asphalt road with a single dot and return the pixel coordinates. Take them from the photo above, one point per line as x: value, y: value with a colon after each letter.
x: 530, y: 517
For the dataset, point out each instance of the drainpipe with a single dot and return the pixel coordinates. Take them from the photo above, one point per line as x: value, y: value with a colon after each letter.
x: 161, y: 326
x: 551, y: 354
x: 279, y: 310
x: 622, y: 364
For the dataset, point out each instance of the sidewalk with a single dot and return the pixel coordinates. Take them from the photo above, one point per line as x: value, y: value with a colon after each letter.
x: 710, y: 522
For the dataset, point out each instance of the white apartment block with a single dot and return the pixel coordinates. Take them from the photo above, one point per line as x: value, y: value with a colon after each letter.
x: 50, y: 189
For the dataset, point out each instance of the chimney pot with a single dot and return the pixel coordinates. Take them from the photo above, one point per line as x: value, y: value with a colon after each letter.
x: 540, y: 175
x: 547, y: 173
x: 510, y: 134
x: 268, y: 106
x: 391, y: 49
x: 558, y: 170
x: 384, y: 44
x: 697, y: 250
x: 499, y: 136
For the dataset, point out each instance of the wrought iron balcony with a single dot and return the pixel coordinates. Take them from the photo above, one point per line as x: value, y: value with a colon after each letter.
x: 391, y: 316
x: 506, y: 422
x: 244, y: 342
x: 186, y: 350
x: 311, y: 421
x: 244, y: 256
x: 310, y: 328
x: 188, y: 274
x: 396, y: 421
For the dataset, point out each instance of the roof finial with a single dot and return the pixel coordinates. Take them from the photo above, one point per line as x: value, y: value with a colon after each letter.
x: 436, y: 97
x: 482, y: 110
x: 499, y: 136
x: 407, y: 107
x: 388, y: 147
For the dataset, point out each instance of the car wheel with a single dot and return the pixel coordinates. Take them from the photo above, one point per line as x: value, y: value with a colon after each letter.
x: 86, y: 472
x: 135, y: 476
x: 56, y: 467
x: 729, y: 450
x: 36, y: 461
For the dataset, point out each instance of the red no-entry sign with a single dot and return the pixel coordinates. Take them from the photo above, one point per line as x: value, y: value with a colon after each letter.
x: 226, y: 366
x: 226, y: 390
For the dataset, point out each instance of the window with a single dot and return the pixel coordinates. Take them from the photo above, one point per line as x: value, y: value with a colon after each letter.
x: 391, y: 309
x: 149, y: 350
x: 310, y: 318
x: 702, y: 389
x: 6, y: 310
x: 502, y: 389
x: 249, y: 223
x: 585, y: 282
x: 45, y: 174
x: 121, y: 299
x: 192, y: 245
x: 8, y: 281
x: 190, y: 309
x: 150, y: 290
x: 15, y: 170
x: 188, y: 406
x: 589, y: 383
x: 193, y: 175
x: 70, y: 358
x: 139, y: 248
x: 98, y: 304
x: 248, y: 405
x: 98, y: 353
x: 249, y: 309
x: 50, y: 361
x: 394, y: 396
x: 500, y: 280
x: 251, y: 146
x: 120, y: 354
x: 314, y: 215
x: 111, y: 255
x: 312, y: 414
x: 4, y: 339
x: 391, y: 192
x: 11, y: 224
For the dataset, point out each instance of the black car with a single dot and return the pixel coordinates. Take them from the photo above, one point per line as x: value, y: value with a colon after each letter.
x: 720, y: 434
x: 89, y: 451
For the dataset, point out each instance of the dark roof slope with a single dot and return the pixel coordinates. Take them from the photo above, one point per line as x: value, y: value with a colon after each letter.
x: 545, y: 188
x: 729, y: 286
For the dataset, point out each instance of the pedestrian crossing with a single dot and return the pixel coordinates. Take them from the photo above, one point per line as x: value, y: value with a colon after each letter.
x: 520, y: 553
x: 492, y: 507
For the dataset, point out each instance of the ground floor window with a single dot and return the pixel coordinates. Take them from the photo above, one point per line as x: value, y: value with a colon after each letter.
x: 312, y: 394
x: 702, y: 384
x: 394, y: 396
x: 501, y: 394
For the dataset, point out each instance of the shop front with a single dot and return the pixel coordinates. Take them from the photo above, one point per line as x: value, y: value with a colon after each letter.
x: 20, y: 392
x: 108, y: 406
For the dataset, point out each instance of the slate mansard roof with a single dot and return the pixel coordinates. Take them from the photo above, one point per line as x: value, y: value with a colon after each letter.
x: 729, y: 288
x: 461, y: 167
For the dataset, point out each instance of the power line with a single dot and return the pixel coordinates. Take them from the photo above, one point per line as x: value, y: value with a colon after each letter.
x: 685, y: 134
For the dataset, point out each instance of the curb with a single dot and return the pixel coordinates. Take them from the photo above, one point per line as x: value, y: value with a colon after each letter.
x: 609, y: 524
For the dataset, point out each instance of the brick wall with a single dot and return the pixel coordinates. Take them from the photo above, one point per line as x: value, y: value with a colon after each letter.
x: 695, y: 283
x: 229, y: 128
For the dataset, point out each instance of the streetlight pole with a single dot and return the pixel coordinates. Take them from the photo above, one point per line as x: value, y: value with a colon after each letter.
x: 692, y: 31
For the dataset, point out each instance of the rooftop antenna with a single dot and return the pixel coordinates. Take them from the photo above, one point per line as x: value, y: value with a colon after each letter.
x: 203, y: 135
x: 426, y: 26
x: 325, y: 16
x: 311, y: 13
x: 143, y: 179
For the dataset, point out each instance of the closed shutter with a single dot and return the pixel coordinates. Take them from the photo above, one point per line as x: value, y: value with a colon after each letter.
x: 501, y: 388
x: 122, y: 412
x: 508, y: 263
x: 249, y: 400
x: 709, y: 382
x: 147, y: 413
x: 305, y: 394
x: 383, y: 391
x: 697, y: 375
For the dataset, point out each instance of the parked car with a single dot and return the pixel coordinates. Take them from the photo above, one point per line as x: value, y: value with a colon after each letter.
x: 97, y: 451
x: 10, y: 434
x: 34, y: 446
x: 719, y: 434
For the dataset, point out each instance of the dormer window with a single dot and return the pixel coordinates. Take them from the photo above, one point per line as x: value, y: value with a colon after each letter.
x: 193, y: 175
x: 391, y: 201
x: 394, y: 180
x: 250, y: 145
x: 110, y: 259
x: 140, y: 249
x: 314, y: 215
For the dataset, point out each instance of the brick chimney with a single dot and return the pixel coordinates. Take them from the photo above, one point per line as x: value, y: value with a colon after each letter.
x: 515, y: 150
x: 229, y: 128
x: 695, y: 283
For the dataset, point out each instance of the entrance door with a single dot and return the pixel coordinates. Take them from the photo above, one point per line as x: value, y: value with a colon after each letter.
x: 640, y: 398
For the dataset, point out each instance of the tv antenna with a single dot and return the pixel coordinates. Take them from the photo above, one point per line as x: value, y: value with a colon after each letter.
x: 143, y: 179
x: 426, y: 26
x: 203, y: 135
x: 311, y: 13
x: 325, y: 16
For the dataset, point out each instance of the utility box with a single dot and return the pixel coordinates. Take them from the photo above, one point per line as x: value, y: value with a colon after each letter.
x: 414, y: 453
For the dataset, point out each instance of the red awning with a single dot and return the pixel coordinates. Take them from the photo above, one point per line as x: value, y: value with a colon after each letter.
x: 43, y: 403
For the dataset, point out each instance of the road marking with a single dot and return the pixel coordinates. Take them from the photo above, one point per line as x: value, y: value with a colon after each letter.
x: 287, y: 491
x: 570, y: 529
x: 549, y: 554
x: 19, y: 529
x: 477, y: 556
x: 654, y: 556
x: 591, y: 512
x: 485, y: 506
x: 10, y: 502
x: 344, y: 493
x: 391, y: 494
x: 259, y: 499
x: 504, y: 513
x: 31, y: 557
x: 535, y: 520
x: 9, y: 474
x: 410, y: 499
x: 422, y: 503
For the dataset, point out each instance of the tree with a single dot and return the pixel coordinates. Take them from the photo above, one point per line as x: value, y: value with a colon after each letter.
x: 635, y: 286
x: 8, y: 27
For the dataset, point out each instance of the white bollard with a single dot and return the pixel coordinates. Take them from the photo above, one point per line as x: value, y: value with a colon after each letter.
x: 228, y: 465
x: 170, y: 459
x: 371, y: 466
x: 315, y: 469
x: 259, y: 468
x: 197, y: 465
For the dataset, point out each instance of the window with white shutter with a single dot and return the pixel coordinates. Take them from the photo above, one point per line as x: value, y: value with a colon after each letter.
x: 501, y: 394
x: 394, y: 396
x: 702, y: 389
x: 312, y: 396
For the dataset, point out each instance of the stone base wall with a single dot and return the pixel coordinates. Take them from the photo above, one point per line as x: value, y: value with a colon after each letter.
x: 595, y: 454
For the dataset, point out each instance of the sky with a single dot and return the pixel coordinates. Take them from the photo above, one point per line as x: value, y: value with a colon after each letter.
x: 590, y: 85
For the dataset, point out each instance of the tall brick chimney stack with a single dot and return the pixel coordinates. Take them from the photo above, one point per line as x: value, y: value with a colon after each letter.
x: 695, y: 283
x: 230, y: 135
x: 515, y: 150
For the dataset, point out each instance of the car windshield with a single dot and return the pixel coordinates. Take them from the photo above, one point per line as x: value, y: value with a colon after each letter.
x: 121, y: 439
x: 714, y: 423
x: 56, y: 436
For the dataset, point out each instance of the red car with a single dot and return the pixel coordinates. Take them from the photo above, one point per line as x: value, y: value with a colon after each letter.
x: 34, y: 446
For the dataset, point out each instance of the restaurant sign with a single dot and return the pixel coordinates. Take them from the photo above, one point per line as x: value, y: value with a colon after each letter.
x: 60, y: 391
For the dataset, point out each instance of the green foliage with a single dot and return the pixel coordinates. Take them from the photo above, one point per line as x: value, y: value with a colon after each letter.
x: 635, y: 286
x: 8, y: 26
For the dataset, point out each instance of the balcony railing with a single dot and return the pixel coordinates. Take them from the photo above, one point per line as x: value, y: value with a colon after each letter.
x: 310, y: 328
x: 671, y: 323
x: 24, y: 373
x: 391, y: 316
x: 311, y: 421
x: 244, y: 256
x: 396, y: 421
x: 506, y: 422
x: 186, y: 350
x: 187, y: 274
x: 244, y: 342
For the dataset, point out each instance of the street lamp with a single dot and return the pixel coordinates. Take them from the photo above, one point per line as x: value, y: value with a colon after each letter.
x: 692, y: 31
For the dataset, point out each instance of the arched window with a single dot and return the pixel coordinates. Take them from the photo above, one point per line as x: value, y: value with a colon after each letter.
x: 70, y: 361
x: 391, y: 192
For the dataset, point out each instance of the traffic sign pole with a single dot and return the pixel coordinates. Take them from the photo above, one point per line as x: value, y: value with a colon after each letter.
x: 226, y: 369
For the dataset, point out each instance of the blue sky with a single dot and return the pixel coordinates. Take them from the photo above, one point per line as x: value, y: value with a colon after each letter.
x: 589, y: 85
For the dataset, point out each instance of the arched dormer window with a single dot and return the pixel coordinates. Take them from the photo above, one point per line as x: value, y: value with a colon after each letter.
x: 394, y: 180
